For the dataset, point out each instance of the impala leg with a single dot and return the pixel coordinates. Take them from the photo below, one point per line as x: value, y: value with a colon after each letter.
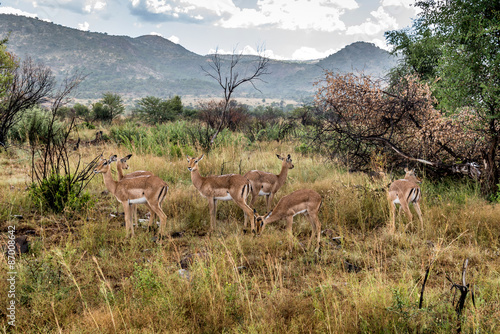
x: 315, y: 230
x: 419, y: 213
x: 128, y: 218
x: 133, y: 208
x: 163, y: 217
x: 152, y: 218
x: 240, y: 200
x: 269, y: 201
x: 212, y: 208
x: 406, y: 209
x: 255, y: 195
x: 289, y: 224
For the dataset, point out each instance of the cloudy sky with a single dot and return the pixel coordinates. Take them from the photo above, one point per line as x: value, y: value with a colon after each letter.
x: 284, y: 29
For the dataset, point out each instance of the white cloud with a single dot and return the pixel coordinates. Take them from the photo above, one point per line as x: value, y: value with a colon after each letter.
x: 303, y: 53
x: 383, y: 22
x: 307, y: 53
x: 174, y: 39
x: 248, y: 50
x: 92, y: 6
x: 15, y: 11
x: 320, y: 15
x: 404, y: 3
x: 84, y: 26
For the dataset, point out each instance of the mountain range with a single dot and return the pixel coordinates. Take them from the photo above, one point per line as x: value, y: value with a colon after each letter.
x: 153, y: 65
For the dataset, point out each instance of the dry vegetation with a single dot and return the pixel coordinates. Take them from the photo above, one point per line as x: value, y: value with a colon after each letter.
x: 82, y: 275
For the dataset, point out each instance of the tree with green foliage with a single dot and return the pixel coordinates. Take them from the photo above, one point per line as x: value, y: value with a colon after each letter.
x: 83, y: 112
x: 108, y: 107
x: 7, y: 65
x: 154, y: 110
x: 455, y: 45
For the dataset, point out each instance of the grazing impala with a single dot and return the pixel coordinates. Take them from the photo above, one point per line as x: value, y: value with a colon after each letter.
x: 122, y: 164
x: 268, y: 184
x: 221, y: 187
x: 148, y: 189
x: 304, y: 201
x: 404, y: 192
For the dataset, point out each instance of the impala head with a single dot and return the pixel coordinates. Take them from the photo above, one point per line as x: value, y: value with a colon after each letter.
x: 286, y: 162
x: 123, y: 162
x: 103, y: 164
x: 260, y: 221
x: 411, y: 176
x: 193, y: 162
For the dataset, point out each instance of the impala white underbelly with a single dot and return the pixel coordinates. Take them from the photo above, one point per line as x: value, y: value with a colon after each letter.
x: 299, y: 212
x: 396, y: 201
x: 141, y: 200
x: 225, y: 198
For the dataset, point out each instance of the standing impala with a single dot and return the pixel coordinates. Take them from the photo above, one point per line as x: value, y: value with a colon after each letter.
x: 122, y: 164
x: 148, y: 189
x: 304, y: 201
x: 268, y: 184
x: 404, y: 192
x: 221, y: 187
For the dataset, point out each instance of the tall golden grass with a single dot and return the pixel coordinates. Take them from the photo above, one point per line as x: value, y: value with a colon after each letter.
x: 83, y: 276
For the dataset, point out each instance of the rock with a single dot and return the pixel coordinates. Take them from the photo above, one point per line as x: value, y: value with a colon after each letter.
x: 183, y: 273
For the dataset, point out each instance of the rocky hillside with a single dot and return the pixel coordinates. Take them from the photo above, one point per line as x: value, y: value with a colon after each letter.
x: 152, y: 65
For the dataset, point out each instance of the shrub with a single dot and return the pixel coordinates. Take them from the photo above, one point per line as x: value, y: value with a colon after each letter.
x: 34, y: 126
x: 58, y: 192
x: 154, y: 110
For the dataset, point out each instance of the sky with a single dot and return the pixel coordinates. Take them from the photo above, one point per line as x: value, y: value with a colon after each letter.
x: 279, y: 29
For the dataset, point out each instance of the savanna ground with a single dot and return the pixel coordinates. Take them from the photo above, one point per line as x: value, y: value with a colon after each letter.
x: 82, y: 275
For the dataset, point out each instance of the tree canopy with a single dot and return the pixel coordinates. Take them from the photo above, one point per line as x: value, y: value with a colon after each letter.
x: 455, y: 46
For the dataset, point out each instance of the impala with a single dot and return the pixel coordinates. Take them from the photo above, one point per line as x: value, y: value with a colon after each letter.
x: 268, y: 184
x: 221, y: 187
x: 404, y: 192
x: 304, y: 201
x: 122, y: 164
x: 144, y: 189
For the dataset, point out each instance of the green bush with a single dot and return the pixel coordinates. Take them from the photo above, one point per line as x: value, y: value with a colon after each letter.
x: 34, y: 127
x: 154, y: 110
x: 57, y: 193
x: 172, y: 139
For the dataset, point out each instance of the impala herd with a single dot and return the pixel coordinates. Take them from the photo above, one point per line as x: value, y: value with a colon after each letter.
x: 143, y: 187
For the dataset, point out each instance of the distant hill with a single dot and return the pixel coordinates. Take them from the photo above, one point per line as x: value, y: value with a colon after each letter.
x: 152, y: 65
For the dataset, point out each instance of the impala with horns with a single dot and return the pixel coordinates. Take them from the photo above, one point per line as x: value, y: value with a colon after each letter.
x: 306, y: 201
x: 404, y: 192
x: 144, y: 189
x: 268, y: 184
x: 122, y: 164
x: 227, y: 187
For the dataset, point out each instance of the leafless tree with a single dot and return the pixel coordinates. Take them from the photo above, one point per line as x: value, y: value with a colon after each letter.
x: 230, y: 72
x: 357, y: 116
x: 31, y: 85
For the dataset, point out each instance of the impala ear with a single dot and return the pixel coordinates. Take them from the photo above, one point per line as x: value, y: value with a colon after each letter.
x: 289, y: 157
x: 128, y: 157
x: 188, y: 158
x: 406, y: 170
x: 113, y: 158
x: 279, y: 157
x: 199, y: 159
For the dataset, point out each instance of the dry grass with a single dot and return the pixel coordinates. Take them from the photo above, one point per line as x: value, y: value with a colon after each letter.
x: 82, y: 275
